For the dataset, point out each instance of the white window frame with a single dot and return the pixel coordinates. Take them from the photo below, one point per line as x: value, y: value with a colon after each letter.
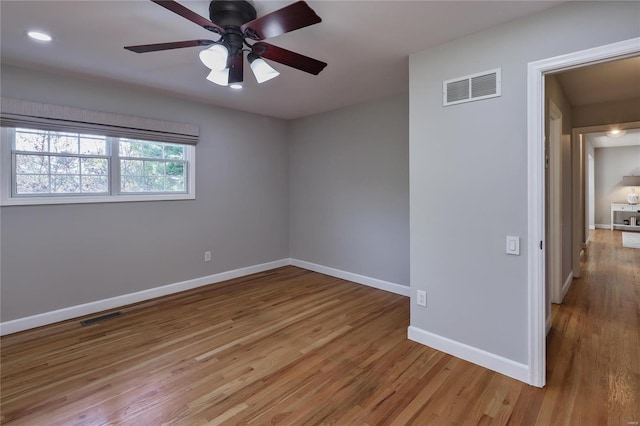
x: 8, y: 199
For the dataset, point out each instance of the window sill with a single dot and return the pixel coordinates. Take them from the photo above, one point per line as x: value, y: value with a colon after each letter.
x: 31, y: 201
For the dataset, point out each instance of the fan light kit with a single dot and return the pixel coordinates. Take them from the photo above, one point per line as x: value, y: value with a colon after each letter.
x: 240, y: 31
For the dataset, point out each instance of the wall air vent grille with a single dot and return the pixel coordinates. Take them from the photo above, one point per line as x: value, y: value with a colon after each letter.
x: 457, y: 91
x: 483, y: 85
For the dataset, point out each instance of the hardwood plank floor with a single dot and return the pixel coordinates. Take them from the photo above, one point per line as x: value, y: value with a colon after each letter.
x: 294, y: 347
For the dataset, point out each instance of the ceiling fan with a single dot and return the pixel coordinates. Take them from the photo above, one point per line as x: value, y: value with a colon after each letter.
x: 236, y: 22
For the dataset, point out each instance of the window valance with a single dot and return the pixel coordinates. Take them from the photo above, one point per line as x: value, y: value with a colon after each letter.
x: 21, y: 113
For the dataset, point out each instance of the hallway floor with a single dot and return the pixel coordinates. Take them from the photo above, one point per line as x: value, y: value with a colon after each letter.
x: 593, y: 348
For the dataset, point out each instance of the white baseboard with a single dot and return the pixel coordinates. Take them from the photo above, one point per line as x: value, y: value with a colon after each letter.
x: 76, y: 311
x: 472, y: 354
x: 349, y: 276
x: 602, y: 226
x: 592, y: 227
x: 46, y: 318
x: 567, y: 284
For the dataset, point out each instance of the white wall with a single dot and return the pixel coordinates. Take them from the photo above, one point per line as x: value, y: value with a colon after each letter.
x: 468, y: 176
x: 610, y: 165
x: 349, y: 189
x: 58, y: 256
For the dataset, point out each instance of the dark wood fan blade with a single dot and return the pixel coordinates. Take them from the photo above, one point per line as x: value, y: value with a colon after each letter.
x: 189, y: 14
x: 236, y: 68
x: 289, y: 58
x: 143, y: 48
x: 289, y: 18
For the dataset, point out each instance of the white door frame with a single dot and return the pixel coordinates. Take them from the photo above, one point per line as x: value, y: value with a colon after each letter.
x: 535, y: 187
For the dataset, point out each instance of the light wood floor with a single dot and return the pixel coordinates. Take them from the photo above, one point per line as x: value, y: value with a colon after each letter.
x: 294, y: 347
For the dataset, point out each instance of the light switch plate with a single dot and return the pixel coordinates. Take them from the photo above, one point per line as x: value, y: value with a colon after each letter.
x: 513, y: 245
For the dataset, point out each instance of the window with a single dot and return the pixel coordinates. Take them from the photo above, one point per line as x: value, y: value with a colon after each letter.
x: 47, y: 163
x: 54, y: 167
x: 151, y: 166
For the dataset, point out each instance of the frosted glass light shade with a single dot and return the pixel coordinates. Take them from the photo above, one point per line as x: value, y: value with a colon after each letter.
x: 262, y: 71
x: 215, y: 57
x: 219, y: 77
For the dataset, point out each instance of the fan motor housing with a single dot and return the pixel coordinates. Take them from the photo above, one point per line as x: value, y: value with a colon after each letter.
x: 231, y: 13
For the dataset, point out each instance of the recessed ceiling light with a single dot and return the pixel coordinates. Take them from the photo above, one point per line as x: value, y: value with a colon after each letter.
x: 236, y: 86
x: 616, y: 133
x: 40, y: 36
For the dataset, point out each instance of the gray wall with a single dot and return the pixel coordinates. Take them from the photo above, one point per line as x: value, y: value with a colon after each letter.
x: 468, y: 173
x: 62, y: 255
x: 555, y: 94
x: 589, y: 177
x: 610, y: 165
x: 349, y: 189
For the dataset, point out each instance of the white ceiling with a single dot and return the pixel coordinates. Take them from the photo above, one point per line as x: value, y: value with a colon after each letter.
x: 601, y: 140
x: 365, y: 43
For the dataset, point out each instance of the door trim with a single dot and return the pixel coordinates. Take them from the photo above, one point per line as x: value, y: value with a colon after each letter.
x: 535, y: 186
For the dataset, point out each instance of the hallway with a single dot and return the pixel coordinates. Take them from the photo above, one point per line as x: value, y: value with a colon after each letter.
x: 593, y: 348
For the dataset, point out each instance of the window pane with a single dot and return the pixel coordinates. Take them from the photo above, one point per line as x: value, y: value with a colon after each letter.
x: 32, y: 184
x: 66, y: 143
x: 95, y: 184
x: 175, y: 169
x: 93, y: 145
x: 65, y: 165
x: 32, y: 164
x: 154, y: 184
x: 125, y: 148
x: 173, y: 152
x: 154, y: 168
x: 65, y: 184
x: 33, y: 141
x: 175, y: 184
x: 132, y: 184
x: 133, y: 148
x: 94, y: 166
x: 131, y: 167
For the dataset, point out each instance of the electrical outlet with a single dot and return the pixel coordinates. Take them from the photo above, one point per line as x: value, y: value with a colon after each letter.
x: 207, y: 256
x: 422, y: 298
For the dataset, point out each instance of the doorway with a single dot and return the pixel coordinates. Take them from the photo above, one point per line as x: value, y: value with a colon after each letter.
x: 536, y: 188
